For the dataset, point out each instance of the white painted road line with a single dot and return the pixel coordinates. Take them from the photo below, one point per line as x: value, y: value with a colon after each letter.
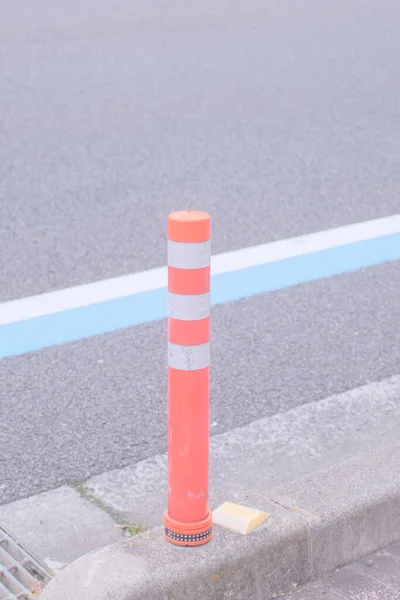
x: 75, y: 313
x: 127, y: 285
x: 304, y: 244
x: 79, y: 296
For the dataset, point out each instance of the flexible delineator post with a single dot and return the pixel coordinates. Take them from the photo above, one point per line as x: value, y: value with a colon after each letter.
x: 188, y: 520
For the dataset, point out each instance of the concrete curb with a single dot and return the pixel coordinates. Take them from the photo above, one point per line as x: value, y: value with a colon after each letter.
x: 317, y: 524
x: 289, y: 445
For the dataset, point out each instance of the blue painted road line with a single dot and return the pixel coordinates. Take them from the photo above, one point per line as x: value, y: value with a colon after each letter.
x: 120, y: 313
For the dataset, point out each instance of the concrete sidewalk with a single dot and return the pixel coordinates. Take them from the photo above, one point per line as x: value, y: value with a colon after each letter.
x: 63, y: 524
x: 317, y: 524
x: 376, y: 577
x: 351, y: 438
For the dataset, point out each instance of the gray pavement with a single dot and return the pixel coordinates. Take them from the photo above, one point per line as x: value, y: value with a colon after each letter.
x: 60, y: 526
x: 376, y: 577
x: 278, y: 117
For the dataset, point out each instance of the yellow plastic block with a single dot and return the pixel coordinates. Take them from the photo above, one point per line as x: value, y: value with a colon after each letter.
x: 239, y: 519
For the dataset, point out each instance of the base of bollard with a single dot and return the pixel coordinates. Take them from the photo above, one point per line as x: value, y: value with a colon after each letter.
x: 188, y: 534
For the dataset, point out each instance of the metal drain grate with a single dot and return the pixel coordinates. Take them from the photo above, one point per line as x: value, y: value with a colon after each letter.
x: 22, y: 576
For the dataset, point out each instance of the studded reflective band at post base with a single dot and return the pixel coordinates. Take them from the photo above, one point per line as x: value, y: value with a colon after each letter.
x: 188, y: 520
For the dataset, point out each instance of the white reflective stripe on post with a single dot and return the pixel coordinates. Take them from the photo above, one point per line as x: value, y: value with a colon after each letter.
x: 189, y: 307
x: 189, y: 358
x: 182, y: 255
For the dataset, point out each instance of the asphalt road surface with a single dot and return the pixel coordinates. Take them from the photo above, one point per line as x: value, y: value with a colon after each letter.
x: 280, y: 117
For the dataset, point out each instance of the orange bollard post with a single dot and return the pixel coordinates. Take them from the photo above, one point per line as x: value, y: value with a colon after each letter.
x: 188, y: 520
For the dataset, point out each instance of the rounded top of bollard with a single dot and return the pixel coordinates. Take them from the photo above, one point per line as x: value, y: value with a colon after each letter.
x: 189, y: 226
